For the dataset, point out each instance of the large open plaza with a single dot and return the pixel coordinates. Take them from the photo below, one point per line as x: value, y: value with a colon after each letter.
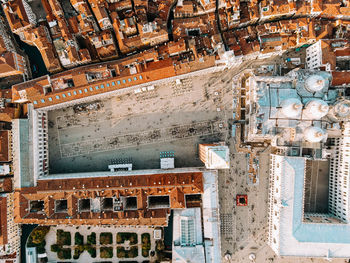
x: 137, y: 126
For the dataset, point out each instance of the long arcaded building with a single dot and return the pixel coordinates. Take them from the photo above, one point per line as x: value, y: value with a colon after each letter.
x: 137, y: 198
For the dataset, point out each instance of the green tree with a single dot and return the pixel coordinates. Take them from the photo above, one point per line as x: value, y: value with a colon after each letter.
x: 120, y: 252
x: 55, y: 247
x: 78, y: 239
x: 91, y: 239
x: 92, y: 251
x: 38, y: 234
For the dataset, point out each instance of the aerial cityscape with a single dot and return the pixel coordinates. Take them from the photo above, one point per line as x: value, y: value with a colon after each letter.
x: 185, y: 131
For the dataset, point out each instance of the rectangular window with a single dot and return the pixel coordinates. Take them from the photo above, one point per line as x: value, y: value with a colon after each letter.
x: 118, y: 82
x: 113, y: 83
x: 57, y: 97
x: 85, y: 90
x: 35, y: 102
x: 102, y: 86
x: 107, y: 85
x: 80, y: 91
x: 63, y: 95
x: 91, y: 89
x: 50, y: 99
x: 74, y: 92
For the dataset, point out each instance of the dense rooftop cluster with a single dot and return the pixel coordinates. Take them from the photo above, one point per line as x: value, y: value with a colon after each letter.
x: 93, y: 49
x: 166, y: 45
x: 104, y: 30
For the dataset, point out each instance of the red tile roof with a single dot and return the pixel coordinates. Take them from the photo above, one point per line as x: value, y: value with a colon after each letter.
x: 3, y: 221
x: 4, y: 146
x: 174, y: 185
x: 340, y: 78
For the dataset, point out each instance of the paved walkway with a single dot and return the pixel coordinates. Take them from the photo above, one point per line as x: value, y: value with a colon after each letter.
x: 86, y: 230
x: 166, y: 134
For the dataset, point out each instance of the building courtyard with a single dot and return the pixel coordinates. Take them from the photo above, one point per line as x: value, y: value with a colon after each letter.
x: 98, y: 244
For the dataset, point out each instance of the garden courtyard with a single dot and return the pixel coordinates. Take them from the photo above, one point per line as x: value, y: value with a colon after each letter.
x: 100, y: 244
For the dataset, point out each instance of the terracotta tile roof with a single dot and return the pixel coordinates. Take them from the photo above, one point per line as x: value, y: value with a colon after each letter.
x: 208, y: 4
x: 56, y: 8
x: 64, y: 29
x: 16, y: 15
x: 73, y: 24
x: 74, y: 84
x: 345, y: 10
x: 302, y: 7
x: 3, y: 47
x: 104, y: 44
x: 276, y: 7
x: 5, y: 184
x: 10, y: 64
x: 100, y: 12
x: 173, y: 48
x: 328, y: 56
x: 49, y: 16
x: 4, y: 146
x: 125, y: 4
x: 342, y: 52
x: 174, y: 185
x: 187, y: 8
x: 3, y: 221
x: 340, y: 78
x: 39, y: 37
x: 206, y: 24
x: 84, y: 55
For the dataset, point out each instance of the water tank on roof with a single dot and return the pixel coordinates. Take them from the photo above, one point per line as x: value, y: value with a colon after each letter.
x: 291, y: 108
x: 314, y: 134
x: 316, y: 109
x: 315, y: 83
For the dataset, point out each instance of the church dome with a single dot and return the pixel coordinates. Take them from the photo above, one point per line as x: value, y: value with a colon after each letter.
x: 314, y: 134
x: 315, y: 83
x: 291, y: 108
x: 316, y: 109
x: 342, y: 109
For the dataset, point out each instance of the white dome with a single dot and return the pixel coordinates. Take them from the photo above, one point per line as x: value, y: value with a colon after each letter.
x: 315, y: 83
x: 342, y: 108
x: 291, y: 108
x: 314, y: 134
x: 316, y: 109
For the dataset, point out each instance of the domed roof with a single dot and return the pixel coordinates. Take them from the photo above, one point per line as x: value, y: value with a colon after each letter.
x: 316, y: 109
x: 291, y: 108
x: 342, y: 108
x: 314, y: 134
x: 315, y: 83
